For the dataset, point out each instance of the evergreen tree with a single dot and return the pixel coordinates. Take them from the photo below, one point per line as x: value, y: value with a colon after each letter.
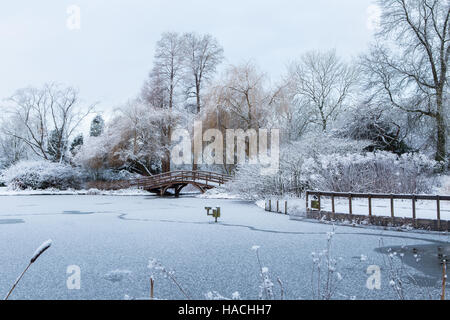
x: 56, y: 146
x: 76, y: 144
x: 97, y: 126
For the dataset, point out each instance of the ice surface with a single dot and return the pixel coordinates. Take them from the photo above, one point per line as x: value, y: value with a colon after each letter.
x: 113, y: 245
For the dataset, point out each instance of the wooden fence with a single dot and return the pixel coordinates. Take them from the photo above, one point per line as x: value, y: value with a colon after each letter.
x: 270, y: 206
x: 392, y: 197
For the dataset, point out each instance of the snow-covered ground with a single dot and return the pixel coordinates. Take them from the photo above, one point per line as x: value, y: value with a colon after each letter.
x: 112, y: 239
x: 382, y: 208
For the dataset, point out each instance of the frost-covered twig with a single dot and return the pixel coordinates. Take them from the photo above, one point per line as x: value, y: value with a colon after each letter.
x: 39, y: 251
x: 281, y: 288
x: 214, y: 295
x: 324, y: 283
x: 266, y: 285
x: 156, y: 265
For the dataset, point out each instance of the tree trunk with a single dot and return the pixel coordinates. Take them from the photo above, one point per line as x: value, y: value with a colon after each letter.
x: 194, y: 165
x: 197, y: 93
x: 166, y: 162
x: 441, y: 152
x: 441, y: 143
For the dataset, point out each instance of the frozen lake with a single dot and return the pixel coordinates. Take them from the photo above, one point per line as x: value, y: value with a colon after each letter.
x: 112, y: 238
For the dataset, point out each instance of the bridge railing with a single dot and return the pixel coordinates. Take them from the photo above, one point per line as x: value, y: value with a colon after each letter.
x: 174, y: 177
x: 179, y: 177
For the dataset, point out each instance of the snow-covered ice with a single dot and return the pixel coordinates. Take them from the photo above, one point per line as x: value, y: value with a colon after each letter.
x: 112, y: 239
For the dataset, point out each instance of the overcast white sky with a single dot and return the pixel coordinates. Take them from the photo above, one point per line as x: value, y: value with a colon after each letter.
x: 110, y: 56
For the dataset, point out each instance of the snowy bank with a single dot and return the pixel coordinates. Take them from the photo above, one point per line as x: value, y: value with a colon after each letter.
x: 296, y: 206
x: 4, y: 191
x: 217, y: 194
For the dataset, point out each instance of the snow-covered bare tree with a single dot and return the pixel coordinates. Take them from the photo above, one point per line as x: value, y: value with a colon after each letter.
x: 203, y: 54
x: 168, y: 64
x: 408, y: 66
x: 161, y: 89
x: 12, y: 149
x: 289, y: 114
x: 40, y: 111
x: 241, y: 99
x: 324, y: 84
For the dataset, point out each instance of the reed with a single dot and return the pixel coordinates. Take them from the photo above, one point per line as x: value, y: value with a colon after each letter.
x: 39, y: 251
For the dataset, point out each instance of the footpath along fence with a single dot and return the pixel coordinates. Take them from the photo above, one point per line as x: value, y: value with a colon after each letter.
x: 314, y: 209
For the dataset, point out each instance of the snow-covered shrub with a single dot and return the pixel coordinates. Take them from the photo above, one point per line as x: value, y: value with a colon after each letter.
x: 41, y: 175
x: 444, y: 187
x: 326, y: 163
x: 118, y: 175
x: 380, y: 172
x: 250, y: 184
x: 290, y: 179
x: 378, y: 125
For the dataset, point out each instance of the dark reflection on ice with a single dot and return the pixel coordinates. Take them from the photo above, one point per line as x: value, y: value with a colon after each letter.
x: 428, y: 259
x: 77, y: 212
x: 117, y: 275
x: 11, y: 221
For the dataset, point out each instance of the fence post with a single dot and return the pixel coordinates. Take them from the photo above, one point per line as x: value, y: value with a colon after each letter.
x: 278, y: 206
x: 350, y: 207
x: 307, y: 201
x: 285, y: 208
x: 414, y: 210
x: 270, y: 205
x: 438, y: 213
x: 333, y: 208
x: 392, y: 207
x: 370, y: 206
x: 320, y: 202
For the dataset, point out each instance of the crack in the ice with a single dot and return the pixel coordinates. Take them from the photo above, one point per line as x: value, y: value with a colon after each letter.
x: 251, y: 228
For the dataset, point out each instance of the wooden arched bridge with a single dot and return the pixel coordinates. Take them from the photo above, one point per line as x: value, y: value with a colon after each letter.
x: 176, y: 181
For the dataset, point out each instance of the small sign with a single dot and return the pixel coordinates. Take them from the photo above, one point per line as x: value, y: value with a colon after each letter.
x: 315, y: 204
x: 215, y: 212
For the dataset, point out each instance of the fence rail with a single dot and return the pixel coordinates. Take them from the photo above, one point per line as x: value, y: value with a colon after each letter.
x: 370, y: 196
